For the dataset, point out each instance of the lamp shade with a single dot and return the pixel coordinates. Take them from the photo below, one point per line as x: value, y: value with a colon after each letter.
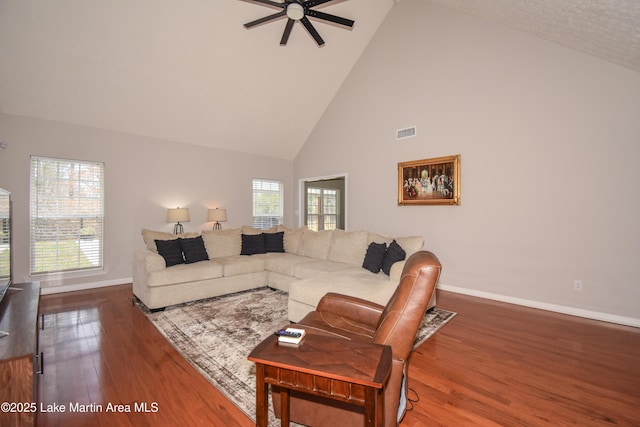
x: 217, y: 215
x: 178, y: 215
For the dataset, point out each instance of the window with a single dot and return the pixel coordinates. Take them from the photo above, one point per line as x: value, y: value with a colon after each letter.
x: 322, y: 208
x: 67, y: 215
x: 267, y: 203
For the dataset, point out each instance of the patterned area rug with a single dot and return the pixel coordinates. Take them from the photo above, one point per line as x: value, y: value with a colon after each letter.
x: 217, y: 334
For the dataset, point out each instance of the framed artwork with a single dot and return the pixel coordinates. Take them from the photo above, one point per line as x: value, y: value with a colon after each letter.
x: 430, y: 181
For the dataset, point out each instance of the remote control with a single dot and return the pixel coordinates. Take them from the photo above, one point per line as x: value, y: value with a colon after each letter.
x: 283, y: 333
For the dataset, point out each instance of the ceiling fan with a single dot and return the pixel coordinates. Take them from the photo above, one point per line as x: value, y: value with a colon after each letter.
x: 298, y: 10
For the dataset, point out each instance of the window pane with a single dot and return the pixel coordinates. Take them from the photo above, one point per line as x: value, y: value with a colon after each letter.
x: 312, y: 222
x: 67, y: 215
x: 329, y: 222
x: 322, y: 208
x: 330, y: 202
x: 267, y: 203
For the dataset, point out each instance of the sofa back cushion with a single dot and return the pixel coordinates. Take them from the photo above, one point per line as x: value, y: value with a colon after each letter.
x: 411, y: 244
x: 348, y: 246
x: 150, y: 237
x: 293, y: 239
x: 316, y: 244
x: 220, y: 243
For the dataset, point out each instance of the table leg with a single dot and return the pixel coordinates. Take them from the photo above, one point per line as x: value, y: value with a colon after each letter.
x: 262, y: 396
x: 380, y: 407
x: 373, y: 407
x: 284, y: 407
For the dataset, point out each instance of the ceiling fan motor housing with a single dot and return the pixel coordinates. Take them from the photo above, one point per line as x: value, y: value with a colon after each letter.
x: 295, y: 11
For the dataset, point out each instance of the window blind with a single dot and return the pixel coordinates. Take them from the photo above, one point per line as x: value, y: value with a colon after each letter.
x: 267, y: 203
x: 66, y: 215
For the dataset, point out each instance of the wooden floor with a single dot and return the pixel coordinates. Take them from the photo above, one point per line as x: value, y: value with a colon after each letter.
x: 493, y: 364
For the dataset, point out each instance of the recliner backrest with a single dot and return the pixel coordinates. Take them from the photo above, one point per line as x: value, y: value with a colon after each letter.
x: 400, y: 320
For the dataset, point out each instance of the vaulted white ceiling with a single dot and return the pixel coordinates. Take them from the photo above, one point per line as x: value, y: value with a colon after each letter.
x: 188, y: 70
x: 609, y: 29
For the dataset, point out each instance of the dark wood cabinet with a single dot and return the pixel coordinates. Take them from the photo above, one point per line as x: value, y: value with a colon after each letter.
x: 20, y: 361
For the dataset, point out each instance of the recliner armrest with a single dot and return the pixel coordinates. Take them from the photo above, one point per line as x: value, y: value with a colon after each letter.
x: 357, y: 309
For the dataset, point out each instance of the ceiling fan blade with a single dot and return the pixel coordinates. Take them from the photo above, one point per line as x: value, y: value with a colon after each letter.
x: 266, y: 19
x: 269, y: 3
x: 312, y: 31
x: 312, y: 3
x: 287, y: 31
x: 331, y: 18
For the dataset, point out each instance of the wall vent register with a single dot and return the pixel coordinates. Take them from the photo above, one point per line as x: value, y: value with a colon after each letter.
x: 406, y: 133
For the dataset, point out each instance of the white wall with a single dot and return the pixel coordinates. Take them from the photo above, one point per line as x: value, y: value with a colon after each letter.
x: 143, y: 177
x: 550, y: 144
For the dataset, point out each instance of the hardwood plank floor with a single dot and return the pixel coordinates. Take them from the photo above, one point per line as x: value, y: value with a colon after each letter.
x: 493, y: 364
x: 99, y: 348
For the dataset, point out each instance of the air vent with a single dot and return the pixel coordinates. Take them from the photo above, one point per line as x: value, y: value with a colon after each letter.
x: 406, y: 133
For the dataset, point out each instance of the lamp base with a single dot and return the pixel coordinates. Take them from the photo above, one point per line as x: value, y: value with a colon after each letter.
x: 217, y: 226
x: 178, y: 229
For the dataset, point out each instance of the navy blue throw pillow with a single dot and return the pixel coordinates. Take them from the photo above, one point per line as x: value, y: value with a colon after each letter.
x: 171, y: 251
x: 274, y: 242
x: 194, y: 250
x: 394, y: 254
x: 374, y: 257
x: 252, y: 244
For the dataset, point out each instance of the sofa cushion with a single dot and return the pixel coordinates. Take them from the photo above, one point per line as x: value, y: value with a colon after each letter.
x: 248, y: 230
x: 150, y: 237
x: 378, y: 238
x: 411, y: 244
x: 374, y: 257
x: 220, y: 243
x: 348, y: 246
x: 356, y: 282
x: 393, y: 254
x: 193, y: 250
x: 184, y: 273
x: 316, y: 268
x: 316, y: 244
x: 285, y: 263
x: 292, y: 239
x: 274, y: 242
x: 171, y: 251
x: 240, y: 264
x: 253, y: 244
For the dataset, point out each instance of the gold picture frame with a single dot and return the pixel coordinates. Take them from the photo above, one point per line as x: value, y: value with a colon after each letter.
x: 430, y: 181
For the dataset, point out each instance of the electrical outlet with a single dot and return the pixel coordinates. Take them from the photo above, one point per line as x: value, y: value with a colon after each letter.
x: 577, y: 285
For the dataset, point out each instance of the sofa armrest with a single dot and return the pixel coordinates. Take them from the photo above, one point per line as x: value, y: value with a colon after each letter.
x: 358, y: 310
x: 150, y: 261
x: 144, y: 262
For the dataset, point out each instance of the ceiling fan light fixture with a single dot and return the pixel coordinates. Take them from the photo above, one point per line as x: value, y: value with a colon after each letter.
x: 295, y: 11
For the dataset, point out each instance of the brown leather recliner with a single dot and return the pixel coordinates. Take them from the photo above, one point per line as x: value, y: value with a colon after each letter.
x: 395, y: 325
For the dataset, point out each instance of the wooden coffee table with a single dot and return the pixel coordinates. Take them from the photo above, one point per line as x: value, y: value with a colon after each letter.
x: 336, y: 368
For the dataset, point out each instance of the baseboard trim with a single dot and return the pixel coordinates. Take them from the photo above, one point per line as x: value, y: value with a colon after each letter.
x: 48, y: 290
x: 573, y: 311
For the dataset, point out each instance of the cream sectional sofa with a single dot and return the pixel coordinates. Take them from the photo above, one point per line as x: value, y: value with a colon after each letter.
x: 303, y: 263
